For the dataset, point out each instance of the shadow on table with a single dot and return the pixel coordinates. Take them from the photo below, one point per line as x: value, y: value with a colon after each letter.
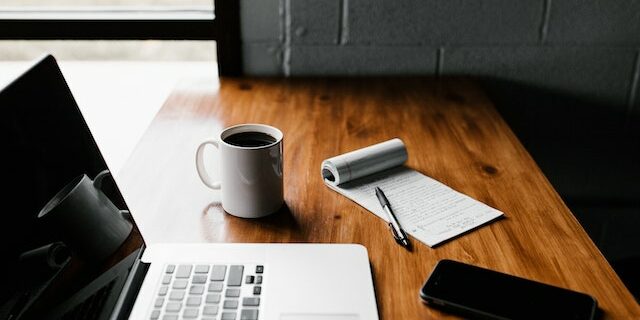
x: 590, y: 152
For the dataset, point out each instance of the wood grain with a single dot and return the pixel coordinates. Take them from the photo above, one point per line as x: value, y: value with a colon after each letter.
x: 452, y: 133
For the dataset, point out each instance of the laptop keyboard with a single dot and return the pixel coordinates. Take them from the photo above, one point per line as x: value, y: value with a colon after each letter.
x: 220, y: 292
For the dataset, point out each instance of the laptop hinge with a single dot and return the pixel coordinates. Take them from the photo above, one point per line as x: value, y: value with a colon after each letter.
x: 129, y: 293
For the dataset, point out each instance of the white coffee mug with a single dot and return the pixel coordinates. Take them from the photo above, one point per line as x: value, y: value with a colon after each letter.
x: 251, y: 169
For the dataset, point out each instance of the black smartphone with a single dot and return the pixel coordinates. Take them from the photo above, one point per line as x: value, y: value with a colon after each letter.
x: 481, y: 293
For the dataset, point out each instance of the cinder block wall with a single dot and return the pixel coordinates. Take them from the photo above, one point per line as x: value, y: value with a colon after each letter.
x: 587, y: 48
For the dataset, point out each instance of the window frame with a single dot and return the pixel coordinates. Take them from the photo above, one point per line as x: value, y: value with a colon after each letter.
x: 223, y: 27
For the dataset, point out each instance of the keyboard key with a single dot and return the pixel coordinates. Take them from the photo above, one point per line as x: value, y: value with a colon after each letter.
x: 230, y: 304
x: 184, y: 271
x: 176, y: 281
x: 180, y: 284
x: 215, y: 286
x: 159, y: 303
x: 232, y: 293
x: 218, y: 272
x: 170, y: 317
x: 196, y: 289
x: 176, y: 295
x: 155, y: 314
x: 173, y: 307
x: 210, y: 310
x: 190, y: 313
x: 249, y: 314
x: 201, y: 268
x: 251, y: 302
x: 194, y: 301
x: 235, y: 276
x: 199, y: 278
x: 213, y: 298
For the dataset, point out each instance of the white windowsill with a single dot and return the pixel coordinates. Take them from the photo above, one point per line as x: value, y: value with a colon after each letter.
x: 120, y: 98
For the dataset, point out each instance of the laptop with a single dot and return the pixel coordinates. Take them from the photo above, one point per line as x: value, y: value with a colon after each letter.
x: 46, y: 143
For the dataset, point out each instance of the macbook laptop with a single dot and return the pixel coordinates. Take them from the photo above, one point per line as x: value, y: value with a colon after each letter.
x: 46, y: 143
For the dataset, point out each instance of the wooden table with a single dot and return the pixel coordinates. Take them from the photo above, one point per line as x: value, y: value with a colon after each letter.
x: 452, y: 133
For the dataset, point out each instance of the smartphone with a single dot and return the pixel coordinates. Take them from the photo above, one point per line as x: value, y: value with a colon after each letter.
x: 481, y: 293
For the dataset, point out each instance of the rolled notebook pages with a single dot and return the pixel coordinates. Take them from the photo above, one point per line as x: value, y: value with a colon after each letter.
x: 363, y: 162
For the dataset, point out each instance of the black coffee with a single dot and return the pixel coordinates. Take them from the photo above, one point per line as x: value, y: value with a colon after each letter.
x: 250, y: 139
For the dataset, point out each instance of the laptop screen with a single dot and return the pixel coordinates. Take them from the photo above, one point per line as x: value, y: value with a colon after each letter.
x: 53, y: 237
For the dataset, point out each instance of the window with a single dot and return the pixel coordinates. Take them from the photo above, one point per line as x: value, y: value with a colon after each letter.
x: 100, y: 20
x: 106, y: 50
x: 208, y: 4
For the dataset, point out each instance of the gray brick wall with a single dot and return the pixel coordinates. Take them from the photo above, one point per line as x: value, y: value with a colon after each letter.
x: 260, y: 21
x: 438, y: 22
x: 357, y: 60
x: 599, y: 74
x: 315, y: 22
x: 598, y: 22
x: 587, y: 48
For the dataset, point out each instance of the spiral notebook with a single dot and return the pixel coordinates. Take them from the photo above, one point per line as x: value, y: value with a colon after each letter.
x: 427, y: 209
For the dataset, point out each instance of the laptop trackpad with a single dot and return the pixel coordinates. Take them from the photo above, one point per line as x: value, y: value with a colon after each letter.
x: 297, y: 316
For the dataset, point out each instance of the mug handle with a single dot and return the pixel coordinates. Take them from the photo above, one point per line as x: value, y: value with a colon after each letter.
x: 202, y: 172
x: 97, y: 181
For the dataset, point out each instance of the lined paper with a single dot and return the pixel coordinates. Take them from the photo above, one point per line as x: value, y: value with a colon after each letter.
x: 427, y: 209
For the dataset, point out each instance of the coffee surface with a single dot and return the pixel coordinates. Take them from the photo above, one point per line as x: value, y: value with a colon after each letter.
x: 250, y: 139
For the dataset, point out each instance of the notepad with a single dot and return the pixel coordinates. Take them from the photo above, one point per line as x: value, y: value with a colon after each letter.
x: 427, y: 209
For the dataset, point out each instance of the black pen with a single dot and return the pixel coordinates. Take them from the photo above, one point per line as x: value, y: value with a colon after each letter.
x: 394, y: 225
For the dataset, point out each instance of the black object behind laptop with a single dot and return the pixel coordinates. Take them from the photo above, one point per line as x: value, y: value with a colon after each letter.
x: 481, y: 293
